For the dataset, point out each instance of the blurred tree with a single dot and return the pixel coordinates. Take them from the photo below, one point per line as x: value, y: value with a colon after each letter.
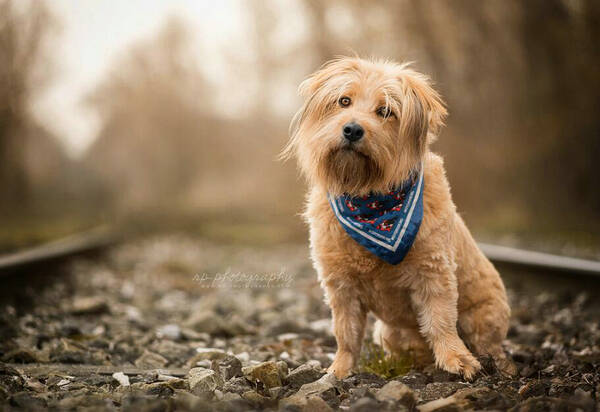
x: 24, y: 64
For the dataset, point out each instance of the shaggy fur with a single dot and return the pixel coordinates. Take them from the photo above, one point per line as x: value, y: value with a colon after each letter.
x: 445, y: 283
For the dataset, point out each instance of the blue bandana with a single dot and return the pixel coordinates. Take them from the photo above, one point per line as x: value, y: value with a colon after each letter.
x: 386, y: 224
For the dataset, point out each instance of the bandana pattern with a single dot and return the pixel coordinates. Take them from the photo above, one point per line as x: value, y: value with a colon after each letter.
x: 385, y: 224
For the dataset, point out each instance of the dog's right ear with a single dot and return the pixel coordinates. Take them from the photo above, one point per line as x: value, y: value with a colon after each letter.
x: 423, y: 110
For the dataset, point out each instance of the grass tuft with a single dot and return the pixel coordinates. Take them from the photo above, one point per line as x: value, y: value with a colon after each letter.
x: 373, y: 359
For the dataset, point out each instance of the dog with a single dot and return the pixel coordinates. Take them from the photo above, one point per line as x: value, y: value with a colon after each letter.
x: 366, y: 127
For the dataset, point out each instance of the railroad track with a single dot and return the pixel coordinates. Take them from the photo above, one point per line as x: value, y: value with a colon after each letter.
x: 102, y: 237
x: 77, y: 244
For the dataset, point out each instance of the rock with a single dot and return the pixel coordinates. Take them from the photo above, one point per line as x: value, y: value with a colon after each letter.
x: 27, y: 402
x: 172, y: 351
x: 317, y: 404
x: 231, y: 396
x: 276, y: 392
x: 204, y: 381
x: 256, y: 399
x: 395, y: 391
x: 323, y: 326
x: 91, y: 305
x: 159, y: 389
x: 121, y: 378
x: 533, y: 388
x: 208, y: 354
x: 414, y: 380
x: 326, y: 387
x: 171, y: 331
x: 202, y: 364
x: 244, y: 357
x: 438, y: 390
x: 544, y: 403
x: 151, y: 360
x: 287, y: 337
x: 237, y: 385
x: 303, y: 374
x: 312, y: 403
x: 205, y: 322
x: 282, y: 366
x: 461, y: 400
x: 228, y: 367
x: 268, y: 373
x: 189, y: 402
x: 23, y: 355
x: 365, y: 404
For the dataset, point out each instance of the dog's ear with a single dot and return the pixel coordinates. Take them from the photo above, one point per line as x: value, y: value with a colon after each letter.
x: 423, y: 111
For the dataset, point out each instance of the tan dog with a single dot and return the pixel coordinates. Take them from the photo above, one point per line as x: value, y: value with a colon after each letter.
x: 445, y: 283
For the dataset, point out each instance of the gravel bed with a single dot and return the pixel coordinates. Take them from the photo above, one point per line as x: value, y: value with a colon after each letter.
x: 179, y: 323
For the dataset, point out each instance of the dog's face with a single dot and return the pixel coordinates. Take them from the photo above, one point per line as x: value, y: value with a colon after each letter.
x: 364, y: 126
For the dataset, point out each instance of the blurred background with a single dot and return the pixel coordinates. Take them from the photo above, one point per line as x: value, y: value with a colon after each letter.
x: 156, y: 115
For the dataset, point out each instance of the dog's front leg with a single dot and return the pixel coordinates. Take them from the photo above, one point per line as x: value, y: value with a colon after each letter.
x: 349, y: 318
x: 435, y: 300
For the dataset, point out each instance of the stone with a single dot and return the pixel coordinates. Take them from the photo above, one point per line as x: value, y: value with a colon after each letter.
x: 203, y: 381
x: 159, y: 389
x: 22, y: 355
x: 303, y: 374
x: 326, y: 387
x: 91, y: 305
x: 256, y: 399
x: 312, y: 403
x: 172, y: 351
x: 461, y: 400
x: 323, y: 326
x: 267, y: 373
x: 231, y: 396
x: 282, y: 366
x: 395, y: 391
x: 187, y: 401
x: 28, y: 402
x: 438, y: 390
x: 121, y: 378
x: 151, y: 360
x: 365, y: 404
x: 208, y: 354
x: 205, y: 322
x: 533, y: 388
x: 171, y: 331
x: 237, y: 385
x: 228, y: 367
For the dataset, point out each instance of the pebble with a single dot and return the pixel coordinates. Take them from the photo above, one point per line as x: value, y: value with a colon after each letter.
x: 309, y: 372
x: 121, y: 378
x: 267, y: 373
x: 395, y: 391
x: 169, y: 331
x: 203, y: 381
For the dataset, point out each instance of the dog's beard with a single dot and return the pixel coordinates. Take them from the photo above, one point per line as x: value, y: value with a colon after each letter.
x: 350, y: 171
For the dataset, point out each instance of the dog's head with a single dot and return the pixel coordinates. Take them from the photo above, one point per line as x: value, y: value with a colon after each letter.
x: 364, y: 126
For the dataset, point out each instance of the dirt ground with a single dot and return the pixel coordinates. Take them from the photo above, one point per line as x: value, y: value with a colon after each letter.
x: 174, y: 322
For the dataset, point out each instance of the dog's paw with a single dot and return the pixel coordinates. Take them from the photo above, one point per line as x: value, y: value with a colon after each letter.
x: 460, y: 362
x: 506, y: 366
x: 342, y: 365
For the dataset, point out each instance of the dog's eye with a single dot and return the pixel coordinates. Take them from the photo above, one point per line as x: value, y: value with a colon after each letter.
x: 384, y: 112
x: 344, y: 101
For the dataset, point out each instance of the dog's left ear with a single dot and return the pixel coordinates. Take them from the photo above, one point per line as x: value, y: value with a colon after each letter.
x: 423, y: 110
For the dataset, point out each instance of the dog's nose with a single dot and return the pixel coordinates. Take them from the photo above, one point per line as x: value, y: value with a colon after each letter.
x: 353, y: 131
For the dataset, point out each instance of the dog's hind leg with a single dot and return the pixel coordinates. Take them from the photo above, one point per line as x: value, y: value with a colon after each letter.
x: 403, y: 341
x: 484, y: 326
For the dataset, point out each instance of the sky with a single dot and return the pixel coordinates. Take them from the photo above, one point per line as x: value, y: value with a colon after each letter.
x: 92, y: 35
